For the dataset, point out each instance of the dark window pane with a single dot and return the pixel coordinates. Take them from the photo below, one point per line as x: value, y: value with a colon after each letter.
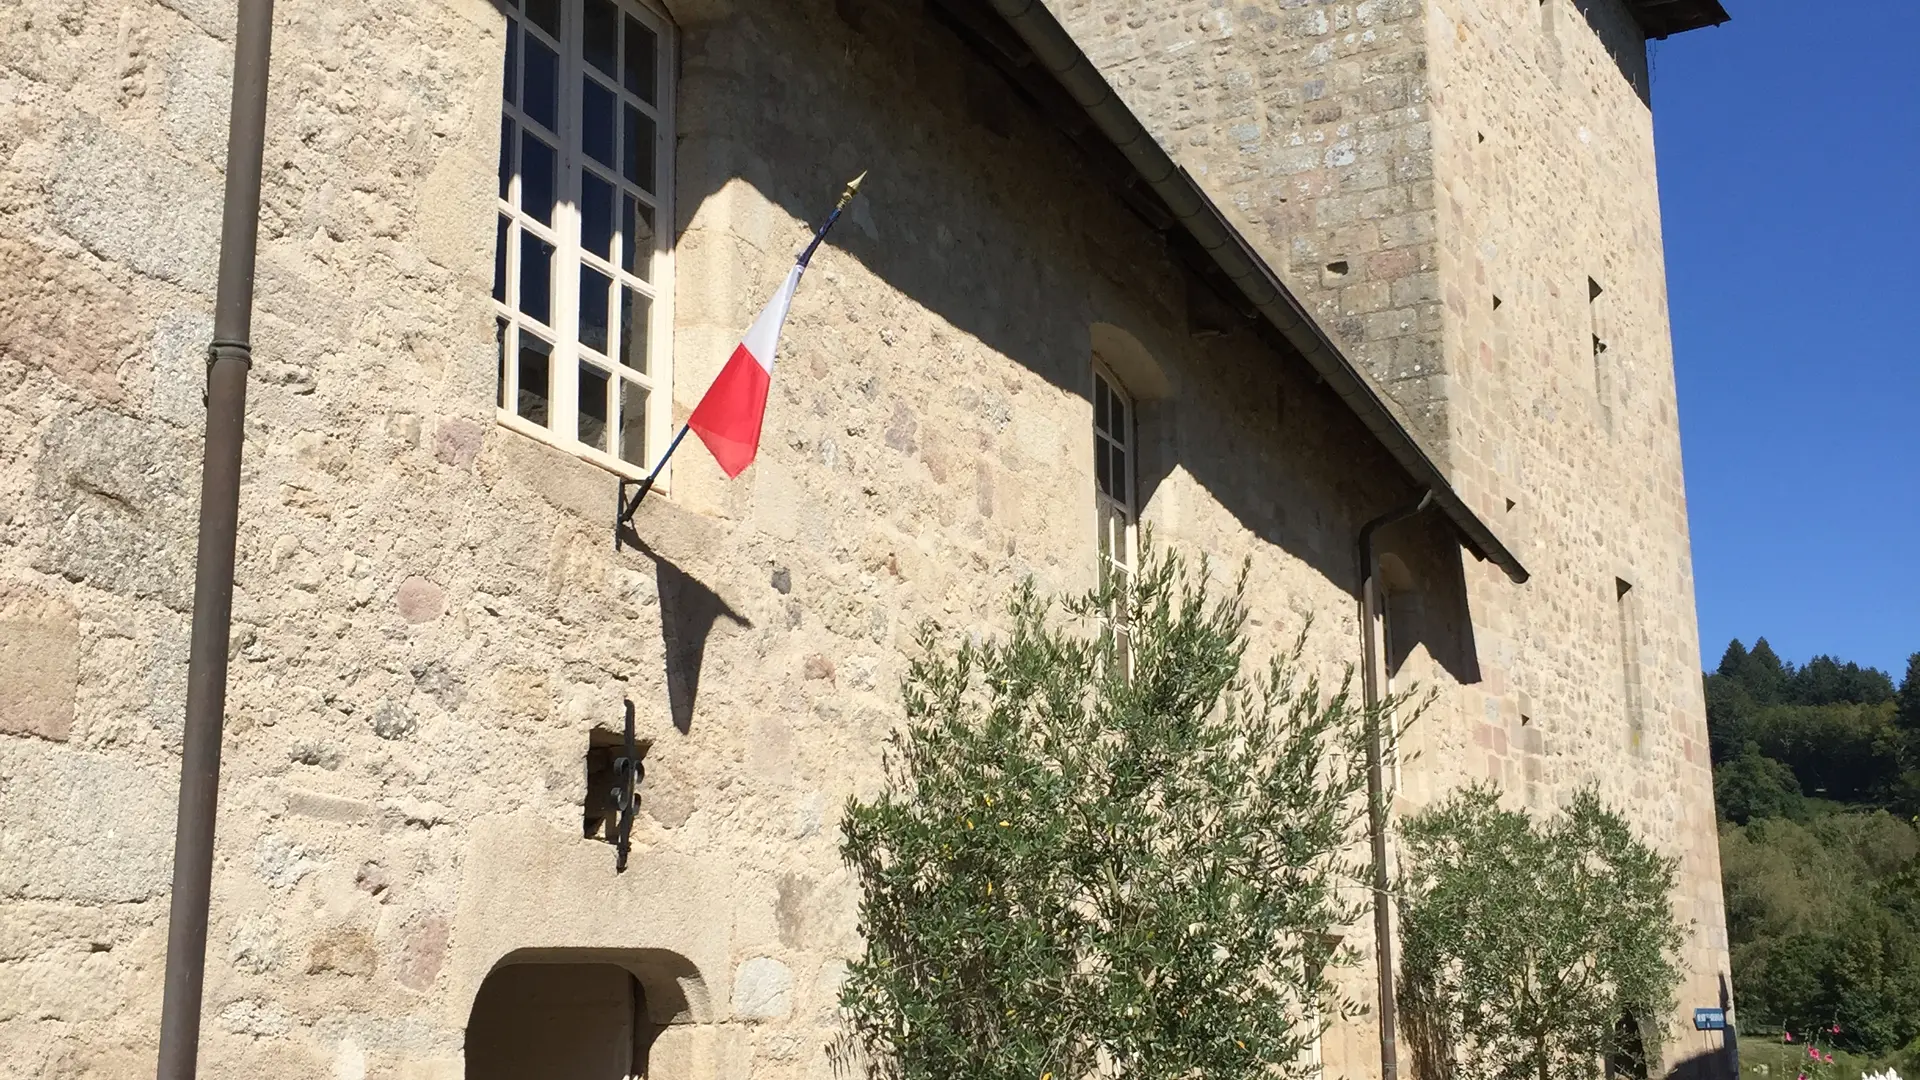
x: 546, y: 15
x: 594, y: 287
x: 596, y: 215
x: 1120, y: 475
x: 596, y: 120
x: 509, y: 78
x: 642, y: 50
x: 1100, y: 404
x: 540, y: 93
x: 633, y: 330
x: 500, y: 362
x: 1100, y: 472
x: 1119, y: 418
x: 500, y: 262
x: 535, y: 366
x: 639, y: 149
x: 536, y: 178
x: 506, y: 154
x: 536, y: 277
x: 593, y: 406
x: 637, y: 227
x: 600, y: 34
x: 633, y: 422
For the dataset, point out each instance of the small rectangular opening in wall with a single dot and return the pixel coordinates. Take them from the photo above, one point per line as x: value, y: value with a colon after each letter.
x: 1627, y: 615
x: 1604, y: 390
x: 600, y: 810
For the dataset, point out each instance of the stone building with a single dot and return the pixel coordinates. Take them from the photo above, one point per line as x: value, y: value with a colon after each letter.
x: 1328, y: 257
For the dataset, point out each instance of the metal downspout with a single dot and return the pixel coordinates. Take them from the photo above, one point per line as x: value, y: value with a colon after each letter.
x: 1377, y: 781
x: 228, y: 360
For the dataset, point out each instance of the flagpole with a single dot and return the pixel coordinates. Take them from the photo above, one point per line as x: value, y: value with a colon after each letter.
x: 625, y: 507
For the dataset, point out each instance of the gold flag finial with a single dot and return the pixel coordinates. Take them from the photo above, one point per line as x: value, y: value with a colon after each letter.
x: 853, y: 188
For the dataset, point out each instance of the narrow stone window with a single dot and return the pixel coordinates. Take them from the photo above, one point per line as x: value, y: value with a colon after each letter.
x: 1115, y: 511
x: 1627, y: 615
x: 582, y: 266
x: 1603, y: 388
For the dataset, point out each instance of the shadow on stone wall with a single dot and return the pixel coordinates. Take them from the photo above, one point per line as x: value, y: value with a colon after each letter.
x: 689, y: 610
x: 1624, y: 41
x: 974, y: 188
x: 1426, y: 604
x: 1721, y: 1064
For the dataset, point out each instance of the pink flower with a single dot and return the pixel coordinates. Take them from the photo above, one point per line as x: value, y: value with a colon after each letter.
x: 1789, y: 1036
x: 1829, y: 1058
x: 1803, y: 1076
x: 1813, y: 1053
x: 1836, y: 1029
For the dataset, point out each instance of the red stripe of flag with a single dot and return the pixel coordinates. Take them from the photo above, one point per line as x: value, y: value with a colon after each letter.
x: 728, y: 417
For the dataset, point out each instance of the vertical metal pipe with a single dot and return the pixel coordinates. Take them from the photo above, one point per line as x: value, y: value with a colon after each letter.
x: 228, y: 360
x: 1377, y: 782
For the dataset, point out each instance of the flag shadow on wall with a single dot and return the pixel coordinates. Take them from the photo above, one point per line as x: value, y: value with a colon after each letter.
x: 689, y: 611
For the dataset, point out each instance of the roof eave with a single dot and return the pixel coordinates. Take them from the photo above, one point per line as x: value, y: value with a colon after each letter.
x: 1660, y: 19
x: 1195, y: 213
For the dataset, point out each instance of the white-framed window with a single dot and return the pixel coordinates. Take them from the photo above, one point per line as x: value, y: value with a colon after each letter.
x: 582, y: 272
x: 1115, y: 511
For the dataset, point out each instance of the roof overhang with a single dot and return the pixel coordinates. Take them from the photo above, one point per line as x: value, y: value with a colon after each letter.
x: 1660, y: 18
x: 1042, y: 59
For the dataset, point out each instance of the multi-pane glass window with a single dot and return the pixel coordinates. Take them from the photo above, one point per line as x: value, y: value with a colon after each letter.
x: 580, y: 259
x: 1114, y: 510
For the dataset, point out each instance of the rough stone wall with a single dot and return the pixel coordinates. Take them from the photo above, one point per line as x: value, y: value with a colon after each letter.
x: 1513, y: 143
x: 1543, y: 144
x: 1308, y: 123
x: 430, y: 615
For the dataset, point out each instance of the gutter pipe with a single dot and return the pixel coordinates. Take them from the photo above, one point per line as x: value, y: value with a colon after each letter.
x: 1056, y: 50
x: 1377, y: 780
x: 229, y: 358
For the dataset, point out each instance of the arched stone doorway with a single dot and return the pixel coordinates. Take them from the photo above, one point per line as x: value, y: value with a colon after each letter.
x: 576, y: 1014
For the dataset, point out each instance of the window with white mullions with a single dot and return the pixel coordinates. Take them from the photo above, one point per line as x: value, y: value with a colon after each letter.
x: 1113, y: 464
x: 581, y: 269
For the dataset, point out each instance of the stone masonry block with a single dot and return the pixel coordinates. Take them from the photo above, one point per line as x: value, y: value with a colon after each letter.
x: 116, y: 494
x: 39, y: 641
x: 113, y: 193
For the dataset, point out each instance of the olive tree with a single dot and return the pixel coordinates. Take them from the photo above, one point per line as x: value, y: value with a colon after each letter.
x: 1534, y: 950
x: 1107, y: 853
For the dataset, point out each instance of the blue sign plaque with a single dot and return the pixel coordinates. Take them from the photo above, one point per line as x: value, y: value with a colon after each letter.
x: 1709, y: 1019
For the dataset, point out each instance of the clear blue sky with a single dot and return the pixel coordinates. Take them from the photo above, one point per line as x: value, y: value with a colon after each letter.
x: 1789, y: 143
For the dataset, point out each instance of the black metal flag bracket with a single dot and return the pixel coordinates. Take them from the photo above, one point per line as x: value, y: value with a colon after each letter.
x: 625, y: 505
x: 614, y: 773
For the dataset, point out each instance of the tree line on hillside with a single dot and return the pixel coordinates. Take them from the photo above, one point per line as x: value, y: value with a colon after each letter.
x: 1817, y: 781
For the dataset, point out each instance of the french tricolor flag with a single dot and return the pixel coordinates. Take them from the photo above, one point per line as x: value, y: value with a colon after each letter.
x: 728, y: 417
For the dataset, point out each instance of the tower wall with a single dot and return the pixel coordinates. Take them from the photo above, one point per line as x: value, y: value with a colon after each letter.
x: 1451, y: 152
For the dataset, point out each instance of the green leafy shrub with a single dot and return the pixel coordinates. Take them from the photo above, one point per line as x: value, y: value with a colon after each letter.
x: 1533, y: 949
x: 1107, y: 853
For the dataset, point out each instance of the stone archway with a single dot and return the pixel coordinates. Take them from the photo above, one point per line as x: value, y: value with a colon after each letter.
x: 566, y: 1014
x: 584, y: 1021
